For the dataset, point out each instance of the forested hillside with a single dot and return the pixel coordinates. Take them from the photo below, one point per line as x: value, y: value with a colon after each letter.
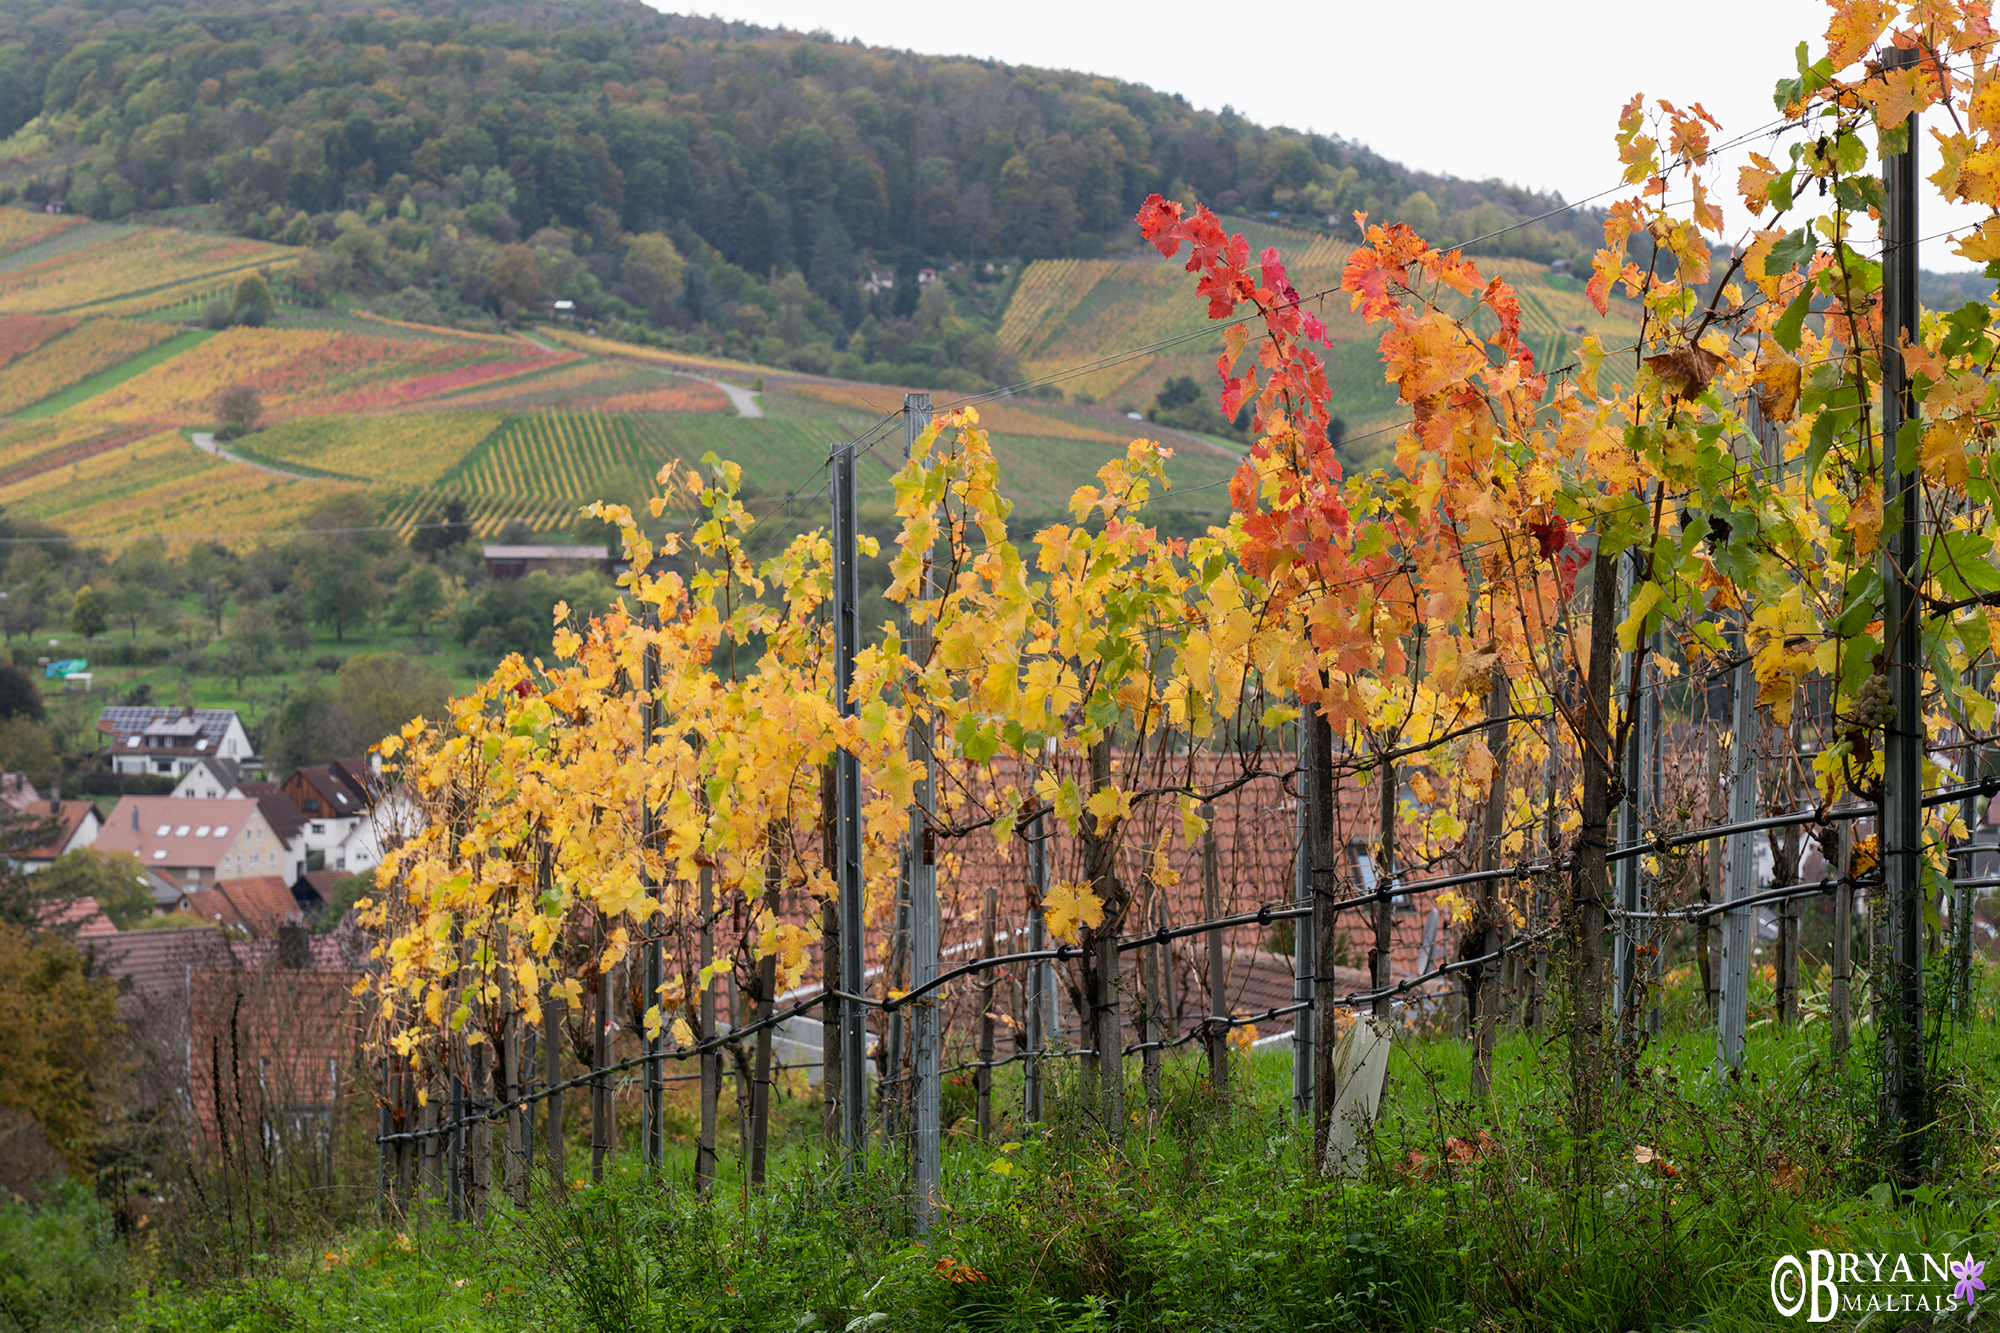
x: 761, y: 191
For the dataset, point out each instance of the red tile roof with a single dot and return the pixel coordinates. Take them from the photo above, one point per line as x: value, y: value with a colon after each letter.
x: 192, y: 832
x: 79, y: 916
x: 69, y: 816
x: 256, y: 904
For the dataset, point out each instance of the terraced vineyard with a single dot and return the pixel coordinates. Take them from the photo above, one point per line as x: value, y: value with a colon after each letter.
x: 72, y: 355
x: 309, y: 372
x: 162, y: 485
x: 134, y: 271
x: 411, y: 449
x: 20, y: 229
x: 526, y: 428
x: 1067, y: 313
x: 541, y: 468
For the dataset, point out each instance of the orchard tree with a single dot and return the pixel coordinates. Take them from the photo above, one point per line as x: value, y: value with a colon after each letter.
x: 238, y: 409
x: 87, y: 615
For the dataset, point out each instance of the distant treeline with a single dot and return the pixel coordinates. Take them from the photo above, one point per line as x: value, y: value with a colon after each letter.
x: 765, y: 142
x: 469, y: 160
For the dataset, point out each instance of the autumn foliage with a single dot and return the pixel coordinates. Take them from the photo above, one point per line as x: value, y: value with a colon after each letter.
x: 1726, y: 467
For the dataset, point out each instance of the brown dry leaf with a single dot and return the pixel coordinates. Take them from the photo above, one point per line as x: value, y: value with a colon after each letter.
x: 1777, y: 383
x: 1689, y: 367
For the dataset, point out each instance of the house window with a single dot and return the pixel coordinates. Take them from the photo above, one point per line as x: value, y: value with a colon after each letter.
x: 163, y: 765
x: 319, y: 828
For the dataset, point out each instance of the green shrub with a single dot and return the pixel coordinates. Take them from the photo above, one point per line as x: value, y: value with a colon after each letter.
x: 61, y: 1266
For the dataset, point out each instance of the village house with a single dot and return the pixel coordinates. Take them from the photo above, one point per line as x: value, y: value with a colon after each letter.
x: 194, y: 842
x: 350, y: 816
x: 255, y: 907
x: 170, y: 741
x: 71, y: 824
x: 75, y: 824
x: 209, y: 778
x: 272, y: 1019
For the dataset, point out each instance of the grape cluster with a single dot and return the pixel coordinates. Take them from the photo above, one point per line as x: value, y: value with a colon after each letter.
x: 1873, y: 709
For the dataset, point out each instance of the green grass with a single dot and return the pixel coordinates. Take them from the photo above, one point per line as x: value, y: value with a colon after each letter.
x: 105, y: 380
x: 1668, y: 1217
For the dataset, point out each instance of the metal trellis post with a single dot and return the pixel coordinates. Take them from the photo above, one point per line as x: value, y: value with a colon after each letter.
x: 656, y: 1088
x: 1903, y: 753
x: 847, y: 781
x: 924, y: 1015
x: 1302, y: 953
x: 1041, y: 990
x: 1625, y: 949
x: 1740, y: 880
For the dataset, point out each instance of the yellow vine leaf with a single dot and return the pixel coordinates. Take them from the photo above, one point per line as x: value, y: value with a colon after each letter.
x: 1777, y: 383
x: 1071, y: 907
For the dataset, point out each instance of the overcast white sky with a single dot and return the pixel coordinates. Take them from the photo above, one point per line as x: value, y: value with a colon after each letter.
x: 1529, y: 93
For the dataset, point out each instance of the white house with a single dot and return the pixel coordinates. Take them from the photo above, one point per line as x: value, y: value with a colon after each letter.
x: 336, y: 800
x: 170, y: 741
x: 72, y: 824
x: 195, y: 842
x: 210, y: 778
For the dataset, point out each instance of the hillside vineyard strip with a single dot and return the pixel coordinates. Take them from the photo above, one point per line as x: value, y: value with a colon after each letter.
x: 144, y: 261
x: 72, y: 357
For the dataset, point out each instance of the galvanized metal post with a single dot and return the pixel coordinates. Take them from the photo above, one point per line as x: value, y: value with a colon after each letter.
x: 1625, y: 944
x: 894, y: 1094
x: 654, y: 1134
x: 1041, y: 1017
x: 1903, y: 754
x: 1842, y: 966
x: 711, y: 1059
x: 1218, y: 1000
x: 925, y: 1031
x: 1649, y: 798
x: 1303, y: 973
x: 552, y: 1045
x: 847, y: 781
x: 1740, y: 881
x: 1961, y: 896
x: 456, y: 1185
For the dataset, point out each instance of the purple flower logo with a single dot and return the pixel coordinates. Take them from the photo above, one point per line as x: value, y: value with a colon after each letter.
x: 1967, y: 1274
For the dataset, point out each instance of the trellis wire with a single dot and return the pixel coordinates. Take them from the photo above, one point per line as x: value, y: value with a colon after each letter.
x: 1207, y: 1026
